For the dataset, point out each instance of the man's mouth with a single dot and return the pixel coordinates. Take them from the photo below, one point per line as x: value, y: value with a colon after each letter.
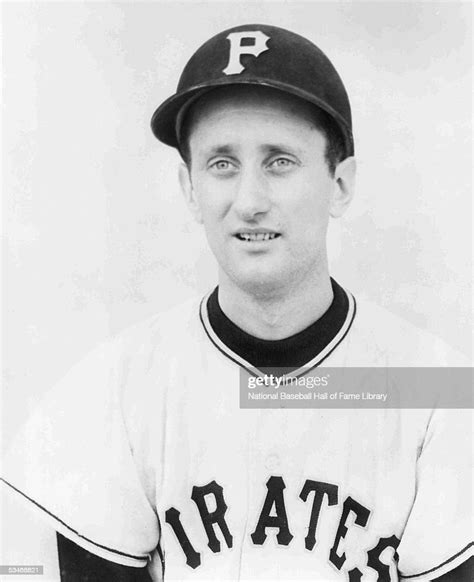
x: 257, y: 236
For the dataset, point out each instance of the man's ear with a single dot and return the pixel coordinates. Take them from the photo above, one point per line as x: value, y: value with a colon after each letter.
x: 188, y: 192
x: 344, y: 177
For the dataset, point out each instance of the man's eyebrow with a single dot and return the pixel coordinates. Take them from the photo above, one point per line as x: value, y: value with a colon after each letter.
x: 270, y: 148
x: 220, y: 150
x: 276, y: 148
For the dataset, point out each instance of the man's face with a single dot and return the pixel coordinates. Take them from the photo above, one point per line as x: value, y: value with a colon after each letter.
x: 259, y: 182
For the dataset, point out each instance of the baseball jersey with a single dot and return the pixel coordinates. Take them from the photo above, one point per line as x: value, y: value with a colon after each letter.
x: 142, y: 455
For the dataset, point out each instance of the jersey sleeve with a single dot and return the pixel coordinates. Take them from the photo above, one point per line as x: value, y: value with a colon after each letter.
x: 73, y: 464
x: 439, y: 531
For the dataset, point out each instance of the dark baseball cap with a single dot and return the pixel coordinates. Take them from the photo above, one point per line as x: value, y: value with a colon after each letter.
x: 261, y: 55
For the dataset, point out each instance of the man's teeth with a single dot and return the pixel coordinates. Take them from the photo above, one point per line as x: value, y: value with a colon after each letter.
x: 250, y: 236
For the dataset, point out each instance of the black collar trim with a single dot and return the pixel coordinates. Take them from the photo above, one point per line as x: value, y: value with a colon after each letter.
x: 331, y: 337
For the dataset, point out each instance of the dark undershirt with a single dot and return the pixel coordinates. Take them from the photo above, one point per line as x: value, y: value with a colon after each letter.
x: 291, y: 352
x: 78, y: 565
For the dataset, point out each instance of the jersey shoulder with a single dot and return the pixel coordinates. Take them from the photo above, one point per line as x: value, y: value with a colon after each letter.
x: 125, y: 367
x: 164, y: 329
x: 163, y: 335
x: 379, y: 337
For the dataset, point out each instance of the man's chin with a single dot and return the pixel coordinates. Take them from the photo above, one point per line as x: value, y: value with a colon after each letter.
x: 259, y: 283
x: 261, y: 278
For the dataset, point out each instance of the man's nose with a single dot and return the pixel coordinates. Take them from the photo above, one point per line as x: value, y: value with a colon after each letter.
x: 252, y: 194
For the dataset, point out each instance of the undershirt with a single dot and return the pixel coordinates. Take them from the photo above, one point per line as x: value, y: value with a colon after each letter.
x: 291, y: 352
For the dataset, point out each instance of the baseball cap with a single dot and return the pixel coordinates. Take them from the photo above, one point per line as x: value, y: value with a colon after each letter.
x: 261, y: 55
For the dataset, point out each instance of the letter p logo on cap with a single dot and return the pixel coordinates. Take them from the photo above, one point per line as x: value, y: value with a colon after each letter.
x: 237, y: 49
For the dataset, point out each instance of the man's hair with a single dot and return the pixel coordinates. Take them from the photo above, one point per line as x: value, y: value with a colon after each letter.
x: 335, y: 148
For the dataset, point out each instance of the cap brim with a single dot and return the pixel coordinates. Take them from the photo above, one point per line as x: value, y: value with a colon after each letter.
x: 163, y: 121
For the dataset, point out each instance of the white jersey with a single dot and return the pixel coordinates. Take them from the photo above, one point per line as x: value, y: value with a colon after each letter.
x: 142, y: 454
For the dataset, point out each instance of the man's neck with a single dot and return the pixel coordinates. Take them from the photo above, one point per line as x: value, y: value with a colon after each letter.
x: 275, y: 315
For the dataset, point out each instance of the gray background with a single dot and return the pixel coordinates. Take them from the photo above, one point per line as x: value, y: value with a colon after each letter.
x: 96, y: 233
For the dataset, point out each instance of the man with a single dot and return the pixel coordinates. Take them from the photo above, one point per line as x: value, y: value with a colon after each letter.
x: 142, y: 458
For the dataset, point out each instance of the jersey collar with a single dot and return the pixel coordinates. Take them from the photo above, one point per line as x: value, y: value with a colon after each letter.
x: 297, y: 354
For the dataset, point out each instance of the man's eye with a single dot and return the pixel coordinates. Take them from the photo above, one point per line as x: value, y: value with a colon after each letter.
x: 281, y: 164
x: 222, y: 165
